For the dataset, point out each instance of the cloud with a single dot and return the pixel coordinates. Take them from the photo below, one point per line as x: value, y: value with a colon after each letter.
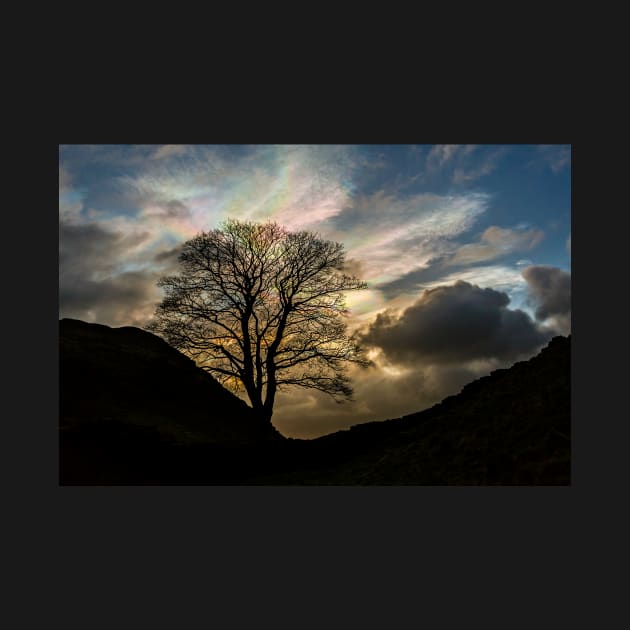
x: 297, y: 186
x: 168, y: 255
x: 495, y: 276
x: 127, y: 299
x: 550, y: 291
x: 454, y: 324
x: 439, y: 271
x: 495, y: 242
x: 354, y: 267
x: 169, y: 150
x: 484, y: 167
x: 469, y: 163
x: 556, y: 156
x: 91, y: 246
x: 109, y: 263
x: 393, y: 235
x: 569, y: 244
x: 450, y: 264
x: 379, y: 395
x: 301, y: 187
x: 442, y: 154
x: 162, y: 209
x: 112, y: 155
x: 64, y: 180
x: 117, y: 237
x: 447, y: 338
x: 94, y: 284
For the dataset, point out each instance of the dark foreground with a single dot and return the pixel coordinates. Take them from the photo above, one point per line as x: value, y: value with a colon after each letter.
x: 512, y: 427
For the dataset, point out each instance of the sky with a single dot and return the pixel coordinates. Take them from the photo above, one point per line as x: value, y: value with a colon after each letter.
x: 466, y: 250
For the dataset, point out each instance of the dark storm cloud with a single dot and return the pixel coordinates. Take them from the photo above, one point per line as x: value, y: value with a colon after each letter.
x: 457, y: 323
x: 90, y: 285
x: 123, y: 299
x: 84, y: 248
x: 550, y: 289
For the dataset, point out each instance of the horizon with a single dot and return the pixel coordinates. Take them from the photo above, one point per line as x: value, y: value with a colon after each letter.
x: 466, y: 250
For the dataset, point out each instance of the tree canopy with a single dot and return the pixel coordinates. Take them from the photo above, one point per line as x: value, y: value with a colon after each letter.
x: 262, y: 308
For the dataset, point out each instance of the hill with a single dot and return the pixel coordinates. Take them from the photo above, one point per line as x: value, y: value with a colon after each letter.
x: 135, y: 411
x: 127, y: 376
x: 512, y: 427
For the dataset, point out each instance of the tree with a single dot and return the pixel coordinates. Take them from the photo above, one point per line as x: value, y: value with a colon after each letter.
x: 262, y: 308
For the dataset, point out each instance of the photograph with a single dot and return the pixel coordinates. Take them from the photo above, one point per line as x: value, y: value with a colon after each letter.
x: 314, y: 315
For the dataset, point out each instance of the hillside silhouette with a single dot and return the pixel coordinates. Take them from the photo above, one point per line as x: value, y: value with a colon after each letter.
x: 133, y: 410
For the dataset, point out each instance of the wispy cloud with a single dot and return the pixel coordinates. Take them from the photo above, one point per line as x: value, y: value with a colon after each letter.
x: 169, y: 150
x: 442, y: 154
x: 127, y: 156
x: 297, y: 186
x: 465, y: 163
x: 395, y: 235
x: 64, y: 179
x: 500, y: 277
x: 450, y: 262
x: 70, y: 200
x: 484, y: 166
x: 556, y: 156
x: 496, y: 242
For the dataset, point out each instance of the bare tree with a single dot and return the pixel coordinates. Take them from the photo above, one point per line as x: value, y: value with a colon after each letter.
x: 261, y: 308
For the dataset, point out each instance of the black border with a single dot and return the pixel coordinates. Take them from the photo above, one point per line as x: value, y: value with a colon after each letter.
x: 389, y: 553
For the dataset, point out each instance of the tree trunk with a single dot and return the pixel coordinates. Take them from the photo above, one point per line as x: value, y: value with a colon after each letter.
x: 263, y: 415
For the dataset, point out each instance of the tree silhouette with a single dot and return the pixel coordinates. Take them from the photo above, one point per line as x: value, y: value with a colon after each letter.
x: 262, y: 308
